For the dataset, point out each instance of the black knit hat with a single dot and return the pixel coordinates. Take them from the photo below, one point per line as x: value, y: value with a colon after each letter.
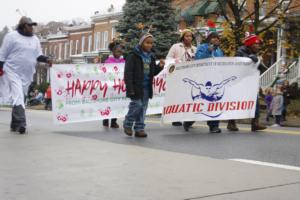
x: 212, y: 35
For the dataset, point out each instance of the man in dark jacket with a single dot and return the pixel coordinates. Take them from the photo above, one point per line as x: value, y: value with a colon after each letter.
x: 250, y: 49
x: 140, y: 68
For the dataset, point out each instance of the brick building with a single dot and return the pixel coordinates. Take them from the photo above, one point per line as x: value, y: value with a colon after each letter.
x: 80, y: 40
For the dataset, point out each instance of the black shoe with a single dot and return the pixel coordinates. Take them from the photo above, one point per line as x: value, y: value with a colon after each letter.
x: 22, y: 130
x: 105, y: 123
x: 186, y: 126
x: 176, y: 124
x: 215, y: 130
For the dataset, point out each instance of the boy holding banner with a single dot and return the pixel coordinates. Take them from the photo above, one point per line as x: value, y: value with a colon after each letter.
x: 207, y: 50
x: 140, y: 68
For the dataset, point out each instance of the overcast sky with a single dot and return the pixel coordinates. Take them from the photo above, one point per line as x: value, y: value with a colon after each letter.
x: 53, y: 10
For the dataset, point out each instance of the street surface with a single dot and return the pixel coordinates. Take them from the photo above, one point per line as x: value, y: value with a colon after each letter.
x: 87, y: 162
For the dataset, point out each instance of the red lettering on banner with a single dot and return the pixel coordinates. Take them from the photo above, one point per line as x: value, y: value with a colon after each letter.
x: 188, y: 107
x: 175, y: 108
x: 159, y: 83
x: 250, y: 105
x: 119, y: 86
x: 232, y: 105
x: 77, y: 86
x: 210, y: 107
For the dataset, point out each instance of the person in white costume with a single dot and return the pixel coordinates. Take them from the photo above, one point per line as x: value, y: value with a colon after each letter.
x: 19, y: 55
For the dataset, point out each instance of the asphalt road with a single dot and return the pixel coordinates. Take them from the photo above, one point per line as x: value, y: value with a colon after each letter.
x: 86, y: 161
x: 275, y: 145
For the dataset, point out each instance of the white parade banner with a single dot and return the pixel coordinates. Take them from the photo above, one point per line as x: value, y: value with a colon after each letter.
x: 88, y: 92
x: 211, y: 89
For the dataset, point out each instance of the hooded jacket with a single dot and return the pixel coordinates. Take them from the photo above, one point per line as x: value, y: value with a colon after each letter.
x: 244, y: 51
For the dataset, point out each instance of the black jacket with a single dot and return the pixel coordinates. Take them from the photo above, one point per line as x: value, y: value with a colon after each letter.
x: 244, y: 51
x: 134, y: 76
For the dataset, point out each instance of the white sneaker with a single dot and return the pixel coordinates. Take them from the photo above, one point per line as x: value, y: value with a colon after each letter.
x: 275, y: 125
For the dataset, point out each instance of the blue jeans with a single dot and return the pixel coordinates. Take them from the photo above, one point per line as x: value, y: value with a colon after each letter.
x: 136, y: 113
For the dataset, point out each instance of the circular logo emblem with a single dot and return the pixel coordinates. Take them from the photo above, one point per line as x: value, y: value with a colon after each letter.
x: 171, y: 69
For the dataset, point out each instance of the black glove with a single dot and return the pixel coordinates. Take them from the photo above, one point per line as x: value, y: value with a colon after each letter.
x: 253, y: 58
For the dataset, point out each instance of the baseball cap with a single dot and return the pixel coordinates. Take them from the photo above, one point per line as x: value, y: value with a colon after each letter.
x: 27, y: 20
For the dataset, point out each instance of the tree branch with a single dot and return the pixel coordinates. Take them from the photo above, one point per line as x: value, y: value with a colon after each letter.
x: 223, y: 11
x: 267, y: 27
x: 242, y: 5
x: 272, y: 11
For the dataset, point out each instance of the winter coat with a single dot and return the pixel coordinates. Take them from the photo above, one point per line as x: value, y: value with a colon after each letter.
x: 179, y: 52
x: 112, y: 59
x: 134, y: 76
x: 204, y: 52
x: 244, y: 51
x: 277, y: 105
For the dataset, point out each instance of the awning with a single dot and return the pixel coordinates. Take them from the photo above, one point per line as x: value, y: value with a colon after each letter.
x: 203, y: 8
x: 199, y: 8
x: 213, y: 7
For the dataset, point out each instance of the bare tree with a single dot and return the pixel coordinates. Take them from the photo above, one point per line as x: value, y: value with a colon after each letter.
x: 240, y: 16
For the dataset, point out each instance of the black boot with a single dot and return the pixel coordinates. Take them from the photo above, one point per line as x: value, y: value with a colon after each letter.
x: 18, y: 119
x: 231, y: 126
x: 255, y: 126
x: 105, y: 123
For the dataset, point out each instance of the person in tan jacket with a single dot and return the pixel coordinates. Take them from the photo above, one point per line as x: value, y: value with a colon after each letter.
x: 182, y: 52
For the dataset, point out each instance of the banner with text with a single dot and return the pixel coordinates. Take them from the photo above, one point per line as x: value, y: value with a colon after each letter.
x: 87, y: 92
x: 211, y: 89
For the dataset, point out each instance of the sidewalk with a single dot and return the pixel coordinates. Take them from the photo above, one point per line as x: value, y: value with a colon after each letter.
x: 49, y: 165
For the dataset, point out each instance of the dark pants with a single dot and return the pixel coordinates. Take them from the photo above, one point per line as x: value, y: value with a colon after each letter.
x: 284, y: 111
x: 213, y: 124
x: 277, y: 119
x: 48, y: 104
x: 18, y: 118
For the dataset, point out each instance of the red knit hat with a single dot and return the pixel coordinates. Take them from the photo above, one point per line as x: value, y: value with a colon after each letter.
x: 252, y: 39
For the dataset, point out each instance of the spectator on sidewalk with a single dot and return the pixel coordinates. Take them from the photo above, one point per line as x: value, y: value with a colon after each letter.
x: 116, y: 57
x: 48, y: 99
x: 277, y: 106
x: 37, y: 99
x: 286, y: 98
x: 140, y: 68
x: 19, y: 54
x: 268, y: 101
x: 182, y: 52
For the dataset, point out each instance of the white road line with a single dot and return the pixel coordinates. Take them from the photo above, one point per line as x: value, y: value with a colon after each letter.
x: 267, y: 164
